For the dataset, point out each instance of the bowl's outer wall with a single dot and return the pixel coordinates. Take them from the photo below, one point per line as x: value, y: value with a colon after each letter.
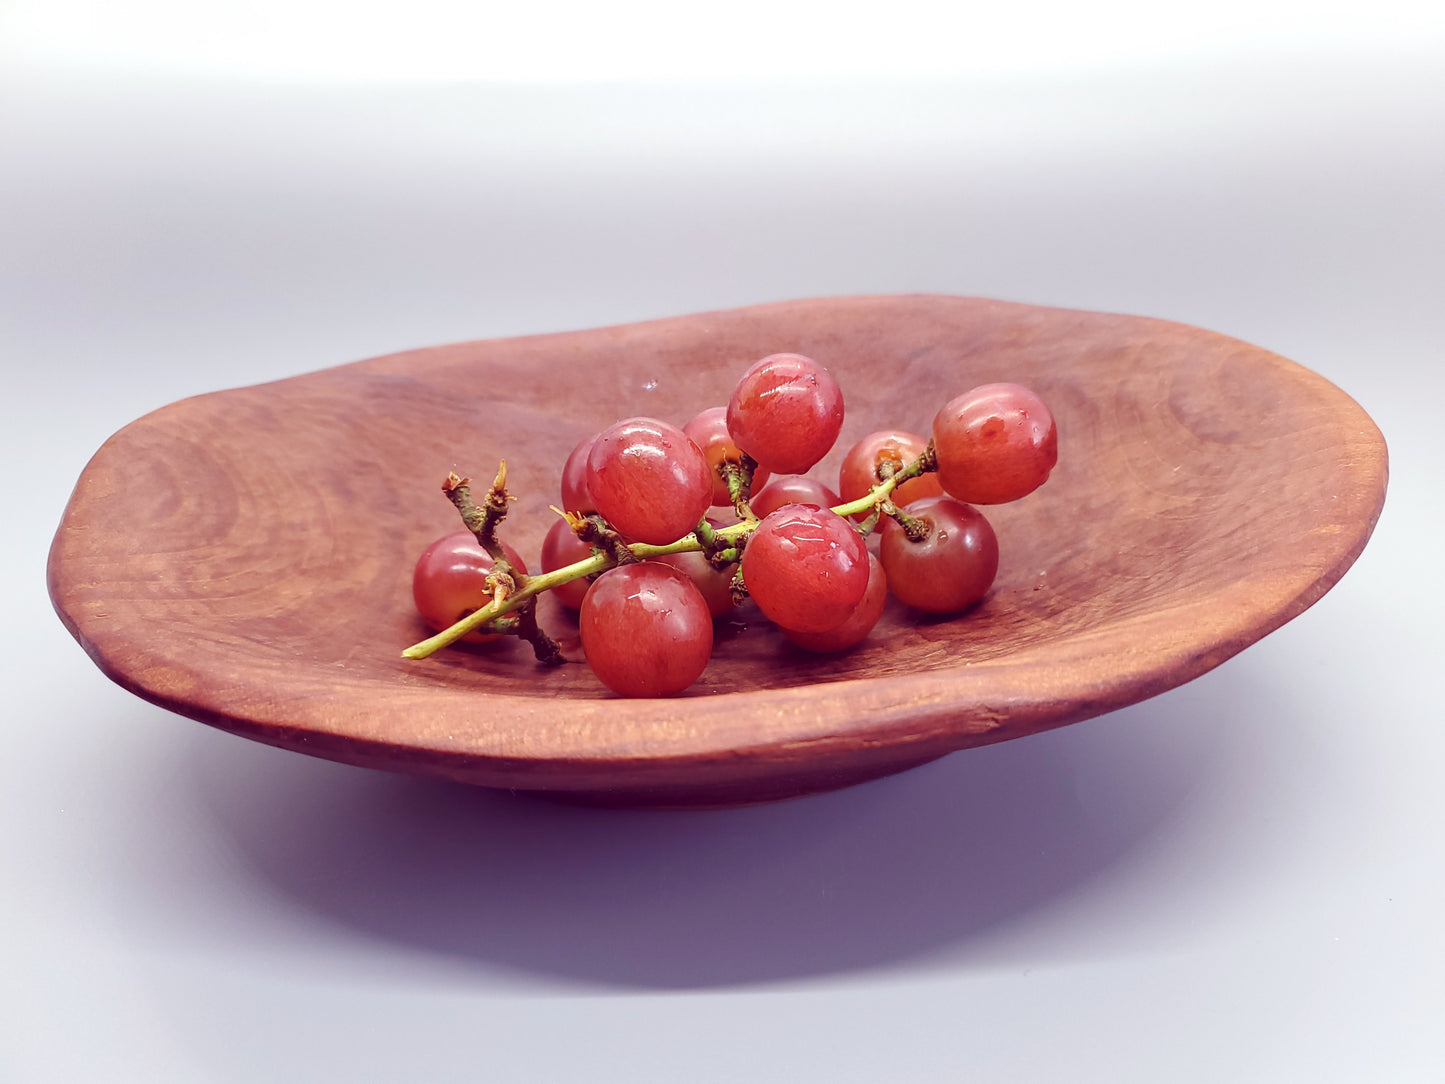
x: 244, y: 558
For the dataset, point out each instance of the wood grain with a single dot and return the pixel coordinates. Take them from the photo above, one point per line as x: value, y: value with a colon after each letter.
x: 244, y: 558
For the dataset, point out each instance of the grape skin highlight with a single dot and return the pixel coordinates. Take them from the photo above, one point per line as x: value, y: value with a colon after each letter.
x: 786, y: 412
x: 806, y: 568
x: 646, y: 630
x: 649, y: 480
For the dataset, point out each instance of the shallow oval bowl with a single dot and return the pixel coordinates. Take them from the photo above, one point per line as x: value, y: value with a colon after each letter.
x: 244, y: 558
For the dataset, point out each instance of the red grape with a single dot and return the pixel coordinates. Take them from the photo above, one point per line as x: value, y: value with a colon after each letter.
x: 576, y: 497
x: 561, y: 548
x: 649, y: 480
x: 859, y: 472
x: 450, y: 581
x: 709, y: 431
x: 996, y: 443
x: 646, y: 630
x: 786, y: 412
x: 714, y: 584
x: 857, y: 625
x: 792, y: 489
x: 949, y: 570
x: 806, y: 567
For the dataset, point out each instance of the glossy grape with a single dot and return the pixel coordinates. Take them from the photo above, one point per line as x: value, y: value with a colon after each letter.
x: 561, y: 548
x: 792, y: 489
x: 857, y: 625
x: 714, y: 584
x: 450, y: 581
x: 649, y: 480
x: 576, y: 497
x: 646, y: 630
x: 806, y: 568
x: 995, y: 444
x: 949, y: 570
x: 709, y: 431
x: 786, y: 412
x: 859, y: 472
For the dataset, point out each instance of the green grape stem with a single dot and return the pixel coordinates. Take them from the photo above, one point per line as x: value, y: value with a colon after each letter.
x: 739, y: 479
x: 914, y: 528
x: 482, y: 521
x: 717, y: 541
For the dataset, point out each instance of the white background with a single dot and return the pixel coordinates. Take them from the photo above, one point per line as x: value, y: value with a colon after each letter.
x: 1240, y: 880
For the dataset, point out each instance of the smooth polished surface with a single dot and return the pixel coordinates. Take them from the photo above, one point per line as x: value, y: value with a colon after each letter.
x: 245, y: 558
x: 1237, y: 880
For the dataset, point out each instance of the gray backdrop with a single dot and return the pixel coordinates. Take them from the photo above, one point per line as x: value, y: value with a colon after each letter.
x: 1240, y: 880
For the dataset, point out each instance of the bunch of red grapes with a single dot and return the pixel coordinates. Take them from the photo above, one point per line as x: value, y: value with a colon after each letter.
x: 690, y: 521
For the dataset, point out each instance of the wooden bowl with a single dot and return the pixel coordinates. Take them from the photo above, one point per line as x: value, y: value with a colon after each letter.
x: 244, y: 558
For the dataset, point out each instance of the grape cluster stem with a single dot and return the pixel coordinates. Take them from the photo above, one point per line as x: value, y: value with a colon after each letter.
x: 482, y: 521
x: 512, y: 613
x: 609, y: 551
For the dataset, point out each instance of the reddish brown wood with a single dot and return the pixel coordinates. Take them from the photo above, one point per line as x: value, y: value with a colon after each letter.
x: 243, y: 558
